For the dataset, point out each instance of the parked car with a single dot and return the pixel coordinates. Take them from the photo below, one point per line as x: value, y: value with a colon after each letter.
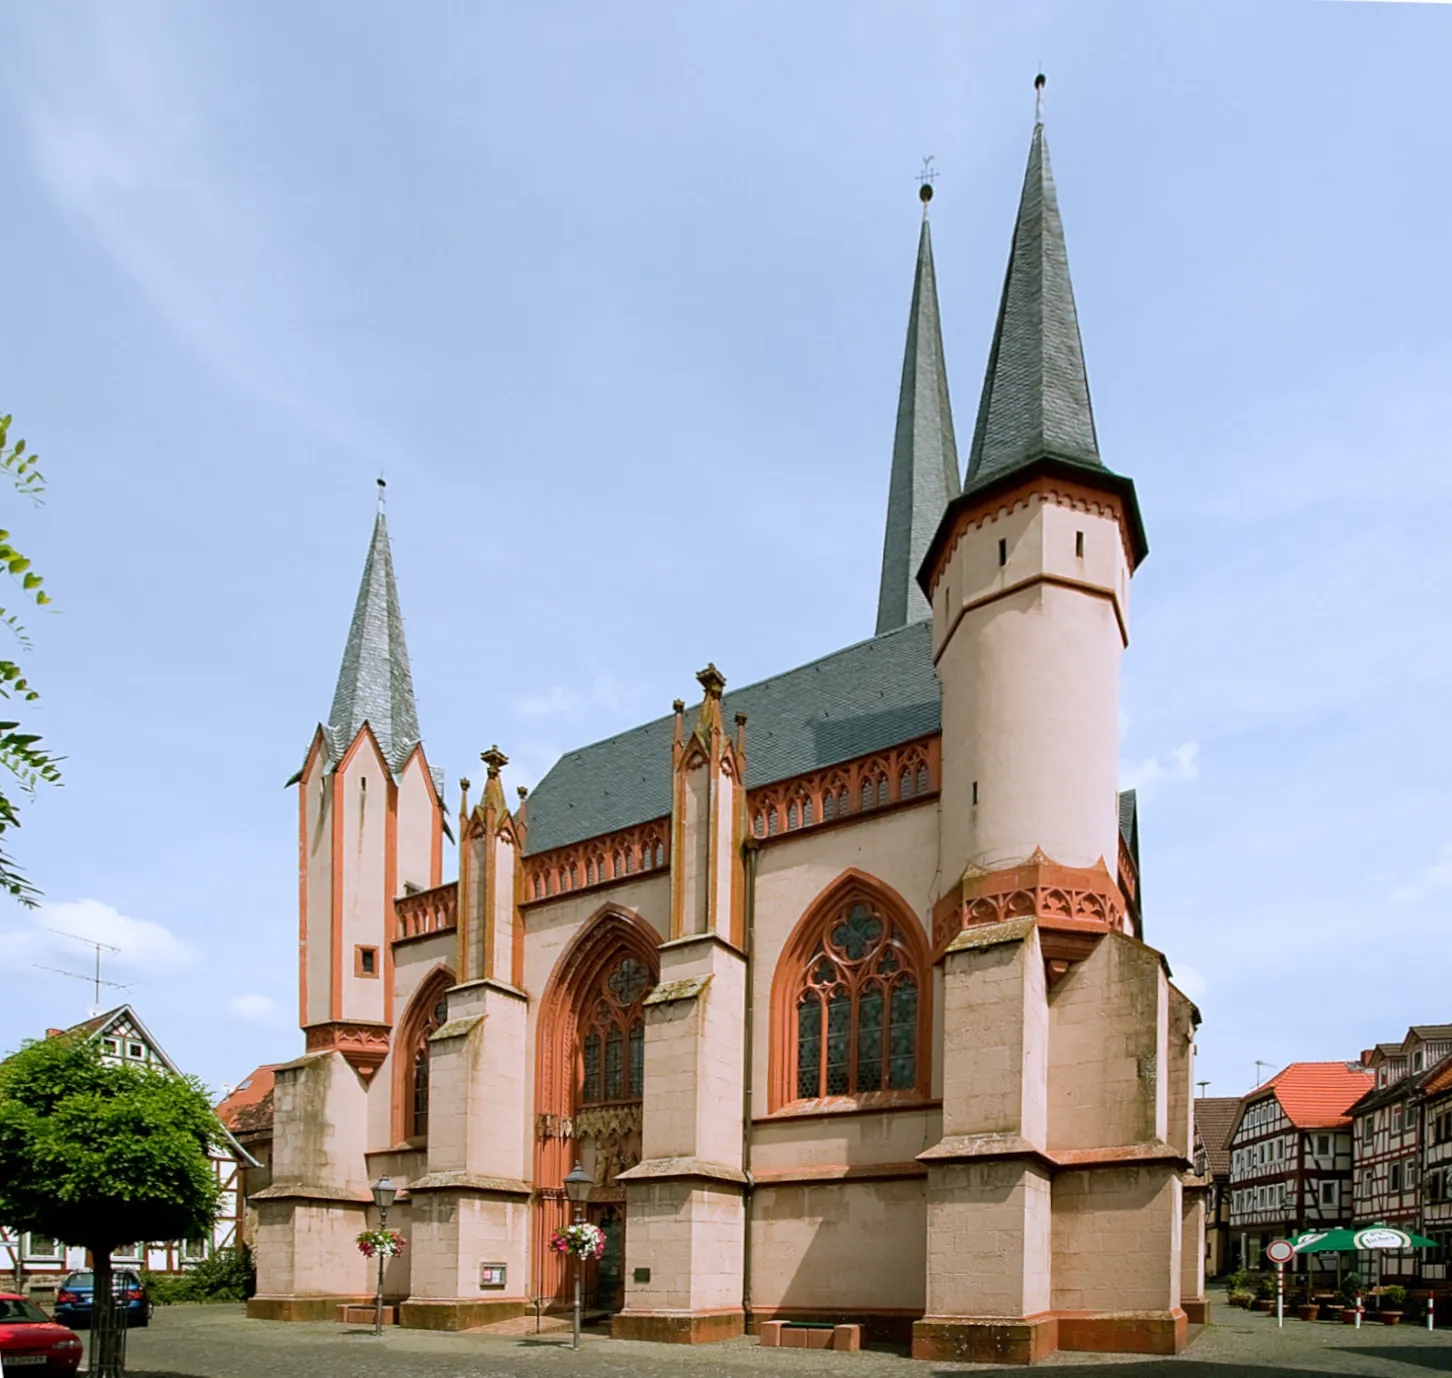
x: 73, y: 1298
x: 31, y: 1341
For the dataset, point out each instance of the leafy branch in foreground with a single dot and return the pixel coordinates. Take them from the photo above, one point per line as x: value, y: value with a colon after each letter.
x: 20, y: 752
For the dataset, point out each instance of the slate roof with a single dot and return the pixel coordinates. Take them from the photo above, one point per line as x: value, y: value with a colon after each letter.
x: 864, y: 698
x: 1431, y: 1033
x: 1317, y: 1095
x: 1418, y: 1083
x: 1215, y: 1119
x: 924, y: 454
x: 375, y: 684
x: 1035, y: 398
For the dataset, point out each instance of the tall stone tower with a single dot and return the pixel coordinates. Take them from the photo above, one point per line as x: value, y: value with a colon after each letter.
x: 1054, y: 1197
x: 370, y: 828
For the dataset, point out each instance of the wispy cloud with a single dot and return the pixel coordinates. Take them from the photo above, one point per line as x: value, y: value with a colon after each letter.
x: 257, y: 1009
x: 607, y: 692
x: 118, y: 132
x: 58, y: 936
x: 1180, y: 766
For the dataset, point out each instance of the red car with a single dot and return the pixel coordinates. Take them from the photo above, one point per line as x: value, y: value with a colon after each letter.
x: 30, y: 1342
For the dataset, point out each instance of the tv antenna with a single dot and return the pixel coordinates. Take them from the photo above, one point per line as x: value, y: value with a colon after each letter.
x: 1202, y: 1085
x: 1258, y: 1065
x: 95, y: 979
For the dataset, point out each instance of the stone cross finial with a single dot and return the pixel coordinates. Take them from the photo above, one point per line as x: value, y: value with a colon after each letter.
x: 523, y: 792
x: 712, y: 681
x: 494, y: 759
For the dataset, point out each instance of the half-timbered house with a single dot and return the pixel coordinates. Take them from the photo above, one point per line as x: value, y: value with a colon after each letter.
x: 1215, y: 1118
x: 42, y: 1262
x: 1291, y: 1157
x: 1436, y: 1224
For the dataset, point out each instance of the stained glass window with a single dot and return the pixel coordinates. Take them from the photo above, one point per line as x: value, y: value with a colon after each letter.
x: 612, y: 1035
x: 421, y: 1092
x: 614, y: 1086
x: 857, y: 1012
x: 591, y: 1091
x: 637, y: 1059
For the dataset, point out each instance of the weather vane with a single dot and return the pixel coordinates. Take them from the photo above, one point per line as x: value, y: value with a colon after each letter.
x: 1040, y: 82
x: 382, y: 487
x: 925, y: 182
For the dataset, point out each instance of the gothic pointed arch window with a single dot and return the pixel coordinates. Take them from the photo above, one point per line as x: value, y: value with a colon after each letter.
x: 427, y: 1012
x: 850, y: 1018
x: 612, y: 1035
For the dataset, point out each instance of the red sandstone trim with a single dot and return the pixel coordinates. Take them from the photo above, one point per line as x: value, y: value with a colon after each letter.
x: 850, y: 1172
x: 630, y: 854
x: 408, y: 1035
x: 872, y: 1103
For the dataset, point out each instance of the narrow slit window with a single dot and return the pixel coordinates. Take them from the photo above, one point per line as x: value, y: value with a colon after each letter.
x: 1002, y: 552
x: 1079, y: 544
x: 975, y: 791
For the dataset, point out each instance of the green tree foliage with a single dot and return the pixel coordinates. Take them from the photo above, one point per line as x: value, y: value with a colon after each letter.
x: 226, y: 1275
x: 20, y: 751
x: 100, y: 1155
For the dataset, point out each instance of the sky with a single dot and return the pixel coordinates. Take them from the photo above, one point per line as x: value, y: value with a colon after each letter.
x: 615, y: 299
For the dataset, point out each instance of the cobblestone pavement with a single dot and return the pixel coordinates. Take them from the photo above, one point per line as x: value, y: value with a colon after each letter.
x: 220, y: 1342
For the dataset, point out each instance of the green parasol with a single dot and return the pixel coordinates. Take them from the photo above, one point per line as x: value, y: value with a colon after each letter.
x: 1371, y: 1237
x: 1342, y: 1241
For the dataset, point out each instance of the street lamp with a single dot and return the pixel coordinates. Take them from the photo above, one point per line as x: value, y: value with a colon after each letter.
x: 383, y: 1193
x: 577, y: 1188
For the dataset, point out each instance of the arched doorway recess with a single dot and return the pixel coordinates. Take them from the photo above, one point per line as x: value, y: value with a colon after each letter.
x: 590, y: 1069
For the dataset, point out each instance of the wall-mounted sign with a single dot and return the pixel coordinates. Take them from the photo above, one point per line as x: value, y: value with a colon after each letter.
x: 491, y: 1275
x: 642, y: 1274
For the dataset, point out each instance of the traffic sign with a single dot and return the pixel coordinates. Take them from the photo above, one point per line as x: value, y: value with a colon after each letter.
x: 1280, y: 1251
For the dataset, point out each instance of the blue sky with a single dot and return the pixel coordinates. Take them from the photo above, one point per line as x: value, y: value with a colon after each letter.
x: 615, y: 297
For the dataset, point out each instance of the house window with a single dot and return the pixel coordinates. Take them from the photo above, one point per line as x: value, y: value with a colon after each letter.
x: 1328, y: 1193
x: 613, y: 1036
x: 1409, y: 1172
x: 365, y: 961
x: 1323, y: 1145
x: 1395, y: 1183
x: 194, y: 1250
x: 1396, y: 1119
x: 135, y: 1050
x: 1417, y: 1061
x: 111, y: 1045
x: 39, y: 1246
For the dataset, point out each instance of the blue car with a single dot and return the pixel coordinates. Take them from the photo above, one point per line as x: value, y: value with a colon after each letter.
x: 73, y: 1300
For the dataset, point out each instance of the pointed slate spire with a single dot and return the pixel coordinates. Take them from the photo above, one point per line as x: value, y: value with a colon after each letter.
x: 1036, y: 394
x: 374, y: 684
x: 924, y: 452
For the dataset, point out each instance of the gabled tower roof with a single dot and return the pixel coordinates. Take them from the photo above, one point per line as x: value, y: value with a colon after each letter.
x: 374, y: 684
x: 924, y: 454
x: 1035, y: 399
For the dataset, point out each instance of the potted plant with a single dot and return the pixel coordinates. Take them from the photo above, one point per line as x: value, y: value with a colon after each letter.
x: 1393, y: 1298
x: 1241, y: 1299
x: 1350, y: 1295
x: 1265, y: 1295
x: 1308, y: 1310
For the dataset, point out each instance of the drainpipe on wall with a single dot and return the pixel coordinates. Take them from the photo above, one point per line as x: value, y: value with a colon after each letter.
x: 752, y: 851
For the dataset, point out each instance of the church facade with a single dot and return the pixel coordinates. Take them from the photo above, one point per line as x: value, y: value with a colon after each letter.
x: 836, y: 984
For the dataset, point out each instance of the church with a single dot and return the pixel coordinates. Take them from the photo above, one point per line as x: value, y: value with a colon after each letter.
x: 836, y: 985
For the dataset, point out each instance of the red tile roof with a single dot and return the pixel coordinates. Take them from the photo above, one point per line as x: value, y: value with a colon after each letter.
x: 240, y: 1110
x: 1317, y: 1095
x: 1439, y: 1077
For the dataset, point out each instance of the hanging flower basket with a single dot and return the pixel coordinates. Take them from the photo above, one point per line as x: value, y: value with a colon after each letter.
x: 380, y: 1243
x: 583, y: 1241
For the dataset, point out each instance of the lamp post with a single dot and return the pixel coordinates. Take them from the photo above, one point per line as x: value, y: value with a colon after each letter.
x: 577, y: 1188
x: 383, y: 1193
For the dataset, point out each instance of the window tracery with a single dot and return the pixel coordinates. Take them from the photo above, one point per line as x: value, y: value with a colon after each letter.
x: 850, y: 1018
x: 612, y: 1036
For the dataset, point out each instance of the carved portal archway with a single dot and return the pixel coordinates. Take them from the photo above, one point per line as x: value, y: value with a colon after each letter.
x: 590, y: 1074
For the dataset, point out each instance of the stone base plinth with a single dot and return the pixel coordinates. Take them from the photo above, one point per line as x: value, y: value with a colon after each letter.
x: 992, y: 1340
x: 987, y: 1340
x: 1196, y: 1312
x: 1124, y: 1332
x: 461, y: 1313
x: 678, y: 1327
x: 891, y: 1327
x: 301, y: 1308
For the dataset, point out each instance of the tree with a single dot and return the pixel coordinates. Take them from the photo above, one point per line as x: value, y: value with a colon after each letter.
x: 20, y: 751
x: 100, y: 1155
